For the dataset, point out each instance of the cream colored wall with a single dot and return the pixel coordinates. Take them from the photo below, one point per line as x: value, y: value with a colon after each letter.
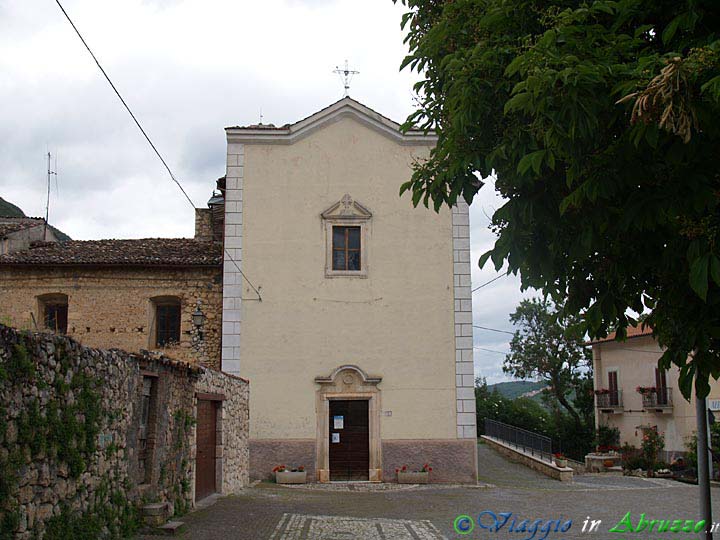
x: 397, y: 323
x: 635, y: 360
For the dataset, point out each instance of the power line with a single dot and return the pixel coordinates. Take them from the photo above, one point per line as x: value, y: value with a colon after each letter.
x: 493, y: 329
x: 492, y: 351
x: 488, y: 282
x: 147, y: 138
x: 123, y: 102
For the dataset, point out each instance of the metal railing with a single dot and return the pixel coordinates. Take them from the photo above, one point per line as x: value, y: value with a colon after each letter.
x: 611, y: 399
x: 528, y: 441
x: 660, y: 398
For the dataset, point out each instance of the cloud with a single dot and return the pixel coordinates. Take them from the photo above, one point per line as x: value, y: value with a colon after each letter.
x: 188, y: 68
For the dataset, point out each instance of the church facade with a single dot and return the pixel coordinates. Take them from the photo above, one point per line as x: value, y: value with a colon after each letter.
x: 347, y: 309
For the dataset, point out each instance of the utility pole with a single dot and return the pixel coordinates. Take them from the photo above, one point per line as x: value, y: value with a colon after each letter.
x: 703, y: 463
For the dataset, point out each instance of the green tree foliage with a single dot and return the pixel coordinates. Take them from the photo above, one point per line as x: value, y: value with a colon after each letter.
x: 521, y: 412
x: 549, y: 346
x: 526, y: 413
x: 599, y: 122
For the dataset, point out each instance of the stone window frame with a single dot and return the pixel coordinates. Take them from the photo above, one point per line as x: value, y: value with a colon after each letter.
x: 149, y: 454
x: 163, y: 300
x: 347, y: 213
x: 48, y: 299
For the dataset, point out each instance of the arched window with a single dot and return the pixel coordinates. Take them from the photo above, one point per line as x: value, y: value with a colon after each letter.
x: 166, y: 311
x: 53, y: 312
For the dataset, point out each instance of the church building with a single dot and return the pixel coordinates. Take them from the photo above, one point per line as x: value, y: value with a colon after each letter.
x: 348, y: 310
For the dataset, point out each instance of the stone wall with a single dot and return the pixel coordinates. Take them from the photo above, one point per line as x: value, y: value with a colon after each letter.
x: 70, y: 436
x: 203, y: 224
x: 113, y: 307
x: 17, y: 240
x: 564, y: 474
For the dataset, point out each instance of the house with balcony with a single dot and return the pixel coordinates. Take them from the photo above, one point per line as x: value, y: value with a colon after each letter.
x: 634, y: 395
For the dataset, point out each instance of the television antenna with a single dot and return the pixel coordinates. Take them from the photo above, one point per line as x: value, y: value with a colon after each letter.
x: 47, y: 202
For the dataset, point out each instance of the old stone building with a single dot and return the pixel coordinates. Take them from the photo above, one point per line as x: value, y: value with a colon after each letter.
x: 356, y: 329
x: 89, y: 435
x: 157, y: 294
x: 17, y: 233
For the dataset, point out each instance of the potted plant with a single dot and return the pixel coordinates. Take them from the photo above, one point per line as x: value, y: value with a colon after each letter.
x: 290, y: 475
x: 404, y: 476
x: 560, y: 460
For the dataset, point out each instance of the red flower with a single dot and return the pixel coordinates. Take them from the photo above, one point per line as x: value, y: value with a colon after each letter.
x: 404, y: 468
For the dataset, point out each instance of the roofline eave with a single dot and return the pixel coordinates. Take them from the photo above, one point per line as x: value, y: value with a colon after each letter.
x: 346, y: 107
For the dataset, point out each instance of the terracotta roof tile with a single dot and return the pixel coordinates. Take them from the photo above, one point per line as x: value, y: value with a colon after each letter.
x: 142, y: 252
x: 632, y: 332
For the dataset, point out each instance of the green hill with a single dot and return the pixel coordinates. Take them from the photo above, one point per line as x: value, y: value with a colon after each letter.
x: 515, y: 389
x: 8, y: 209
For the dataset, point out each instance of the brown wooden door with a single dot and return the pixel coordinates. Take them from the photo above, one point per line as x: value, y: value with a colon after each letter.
x: 205, y: 460
x: 661, y: 386
x: 349, y: 440
x: 614, y: 394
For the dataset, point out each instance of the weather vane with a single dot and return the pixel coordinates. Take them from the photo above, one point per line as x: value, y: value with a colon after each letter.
x: 346, y: 75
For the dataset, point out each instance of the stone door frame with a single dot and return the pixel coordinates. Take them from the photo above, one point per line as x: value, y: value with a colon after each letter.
x: 346, y: 383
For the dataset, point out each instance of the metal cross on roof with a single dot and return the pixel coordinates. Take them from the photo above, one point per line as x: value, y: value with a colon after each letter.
x: 346, y: 75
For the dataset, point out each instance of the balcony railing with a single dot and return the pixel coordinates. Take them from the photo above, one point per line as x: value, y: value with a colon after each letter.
x: 660, y: 398
x: 610, y: 399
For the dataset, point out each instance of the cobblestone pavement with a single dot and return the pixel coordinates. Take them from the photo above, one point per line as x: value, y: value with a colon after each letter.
x: 271, y: 512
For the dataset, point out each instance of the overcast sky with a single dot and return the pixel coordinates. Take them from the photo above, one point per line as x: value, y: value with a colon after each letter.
x: 188, y: 69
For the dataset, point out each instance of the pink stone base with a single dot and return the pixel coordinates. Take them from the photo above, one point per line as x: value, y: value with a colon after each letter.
x: 265, y: 454
x: 452, y: 461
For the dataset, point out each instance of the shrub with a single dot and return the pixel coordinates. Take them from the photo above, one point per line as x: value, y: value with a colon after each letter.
x: 607, y: 437
x: 632, y: 458
x: 652, y: 444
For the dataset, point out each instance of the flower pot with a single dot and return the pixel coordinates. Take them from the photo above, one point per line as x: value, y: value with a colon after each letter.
x: 608, y: 463
x: 408, y: 477
x: 561, y: 462
x: 288, y: 477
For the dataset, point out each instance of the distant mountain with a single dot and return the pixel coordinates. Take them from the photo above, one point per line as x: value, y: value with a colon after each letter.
x: 516, y: 389
x: 8, y: 209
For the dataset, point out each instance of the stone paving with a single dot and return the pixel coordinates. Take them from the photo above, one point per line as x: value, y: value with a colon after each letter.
x: 270, y: 512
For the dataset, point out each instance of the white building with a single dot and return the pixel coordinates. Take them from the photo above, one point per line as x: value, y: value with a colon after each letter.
x: 359, y: 344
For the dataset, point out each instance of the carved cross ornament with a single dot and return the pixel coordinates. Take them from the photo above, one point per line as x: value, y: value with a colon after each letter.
x: 347, y: 205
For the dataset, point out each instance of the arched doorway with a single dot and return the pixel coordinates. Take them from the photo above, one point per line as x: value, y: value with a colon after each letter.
x: 348, y: 426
